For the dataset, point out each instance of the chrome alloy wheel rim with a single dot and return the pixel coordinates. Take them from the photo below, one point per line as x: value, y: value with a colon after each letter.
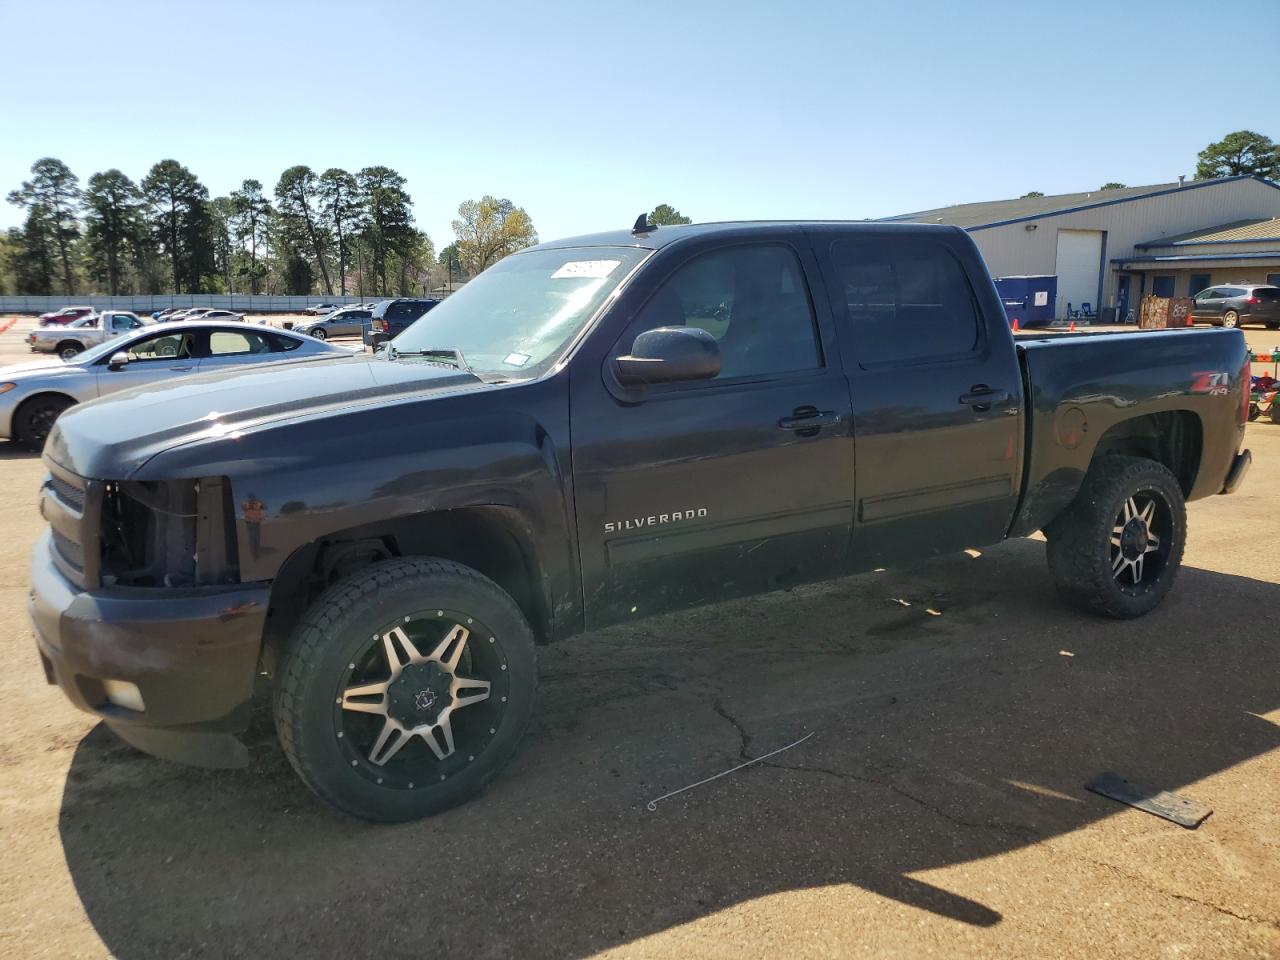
x: 422, y: 700
x: 1140, y: 541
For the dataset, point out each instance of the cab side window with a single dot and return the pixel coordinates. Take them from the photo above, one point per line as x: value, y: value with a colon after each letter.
x: 906, y: 301
x: 753, y: 299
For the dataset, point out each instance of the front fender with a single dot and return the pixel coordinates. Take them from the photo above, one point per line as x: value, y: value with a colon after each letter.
x: 295, y: 482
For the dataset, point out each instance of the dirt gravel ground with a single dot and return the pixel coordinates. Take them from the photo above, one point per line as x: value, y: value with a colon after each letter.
x: 938, y: 810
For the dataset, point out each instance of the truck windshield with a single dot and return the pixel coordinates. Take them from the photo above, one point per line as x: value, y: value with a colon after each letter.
x: 515, y: 318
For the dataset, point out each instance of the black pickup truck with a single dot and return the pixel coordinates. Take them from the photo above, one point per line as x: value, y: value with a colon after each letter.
x: 594, y: 430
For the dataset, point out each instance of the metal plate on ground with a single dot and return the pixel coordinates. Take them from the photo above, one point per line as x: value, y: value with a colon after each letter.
x: 1170, y: 806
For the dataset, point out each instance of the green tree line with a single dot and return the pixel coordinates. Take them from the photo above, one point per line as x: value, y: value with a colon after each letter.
x: 329, y: 233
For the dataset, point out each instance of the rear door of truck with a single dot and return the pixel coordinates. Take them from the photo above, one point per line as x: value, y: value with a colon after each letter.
x: 935, y: 386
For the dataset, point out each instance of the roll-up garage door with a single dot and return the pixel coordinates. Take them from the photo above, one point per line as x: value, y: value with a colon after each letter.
x: 1079, y: 263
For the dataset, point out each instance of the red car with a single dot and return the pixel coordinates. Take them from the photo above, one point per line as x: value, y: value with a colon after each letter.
x: 61, y: 318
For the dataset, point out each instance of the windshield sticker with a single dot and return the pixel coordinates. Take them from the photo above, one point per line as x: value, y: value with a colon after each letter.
x: 586, y: 269
x: 516, y: 359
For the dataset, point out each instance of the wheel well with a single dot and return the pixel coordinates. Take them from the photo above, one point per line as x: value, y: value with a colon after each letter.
x: 46, y: 395
x: 68, y: 343
x: 487, y: 539
x: 1173, y: 438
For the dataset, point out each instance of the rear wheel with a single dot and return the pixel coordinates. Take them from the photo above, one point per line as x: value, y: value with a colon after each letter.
x: 1117, y: 548
x: 1231, y: 319
x: 405, y: 689
x: 35, y: 419
x: 70, y: 349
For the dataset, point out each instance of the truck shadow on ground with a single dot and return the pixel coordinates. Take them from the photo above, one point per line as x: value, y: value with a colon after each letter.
x: 938, y: 740
x: 12, y: 450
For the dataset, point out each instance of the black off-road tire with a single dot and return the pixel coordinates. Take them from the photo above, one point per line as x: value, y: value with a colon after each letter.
x: 1080, y: 540
x: 329, y: 637
x: 33, y: 421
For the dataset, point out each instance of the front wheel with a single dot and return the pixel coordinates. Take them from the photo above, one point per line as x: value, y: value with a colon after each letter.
x: 405, y: 689
x: 1116, y: 550
x: 35, y: 419
x: 319, y: 333
x: 1231, y: 319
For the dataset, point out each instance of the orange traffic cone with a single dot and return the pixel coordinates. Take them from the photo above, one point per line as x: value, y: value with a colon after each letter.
x: 1015, y: 324
x: 1072, y: 328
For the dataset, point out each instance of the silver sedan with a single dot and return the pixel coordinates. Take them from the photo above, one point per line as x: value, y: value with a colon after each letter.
x: 34, y: 394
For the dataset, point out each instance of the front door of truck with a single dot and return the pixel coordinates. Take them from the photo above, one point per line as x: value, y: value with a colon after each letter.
x: 711, y: 489
x: 936, y: 397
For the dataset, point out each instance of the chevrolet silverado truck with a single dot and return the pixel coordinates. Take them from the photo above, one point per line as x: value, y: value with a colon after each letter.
x: 592, y: 431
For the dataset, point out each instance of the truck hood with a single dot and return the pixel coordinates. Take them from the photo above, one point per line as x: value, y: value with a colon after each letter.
x: 112, y: 437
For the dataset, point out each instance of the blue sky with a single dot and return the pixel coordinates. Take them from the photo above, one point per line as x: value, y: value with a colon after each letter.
x: 587, y: 113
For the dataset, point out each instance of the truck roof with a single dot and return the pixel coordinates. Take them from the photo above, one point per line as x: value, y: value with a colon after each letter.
x: 664, y: 236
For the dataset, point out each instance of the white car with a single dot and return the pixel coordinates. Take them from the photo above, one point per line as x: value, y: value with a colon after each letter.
x: 34, y: 394
x: 70, y: 341
x: 218, y: 315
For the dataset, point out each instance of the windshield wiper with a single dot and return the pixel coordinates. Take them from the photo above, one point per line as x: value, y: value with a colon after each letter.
x: 448, y: 354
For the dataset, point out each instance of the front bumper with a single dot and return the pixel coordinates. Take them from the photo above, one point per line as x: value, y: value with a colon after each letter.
x: 1239, y: 467
x: 192, y: 653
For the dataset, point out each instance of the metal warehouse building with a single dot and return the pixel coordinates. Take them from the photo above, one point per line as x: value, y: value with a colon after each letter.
x: 1108, y: 248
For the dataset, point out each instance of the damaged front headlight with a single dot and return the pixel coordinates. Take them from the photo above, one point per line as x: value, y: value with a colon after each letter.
x: 169, y: 533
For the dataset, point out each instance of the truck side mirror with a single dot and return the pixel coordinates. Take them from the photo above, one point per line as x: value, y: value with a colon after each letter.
x: 669, y: 355
x: 118, y: 360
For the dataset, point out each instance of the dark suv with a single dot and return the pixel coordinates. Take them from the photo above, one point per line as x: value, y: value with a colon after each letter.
x: 392, y: 317
x: 1233, y: 304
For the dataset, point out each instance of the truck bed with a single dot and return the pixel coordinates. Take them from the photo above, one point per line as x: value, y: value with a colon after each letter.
x: 1086, y: 390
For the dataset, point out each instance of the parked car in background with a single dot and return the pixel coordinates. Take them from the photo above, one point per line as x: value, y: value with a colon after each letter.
x: 34, y: 394
x: 165, y: 314
x: 229, y: 316
x: 347, y: 322
x: 191, y: 313
x: 1230, y: 305
x: 321, y: 309
x: 68, y: 342
x: 390, y: 318
x: 64, y: 316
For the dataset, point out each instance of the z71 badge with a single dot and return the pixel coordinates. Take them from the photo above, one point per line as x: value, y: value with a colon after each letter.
x: 654, y: 520
x: 1216, y: 383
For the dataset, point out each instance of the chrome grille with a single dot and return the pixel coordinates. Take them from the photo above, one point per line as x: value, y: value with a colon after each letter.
x: 68, y: 493
x: 69, y: 550
x: 72, y: 506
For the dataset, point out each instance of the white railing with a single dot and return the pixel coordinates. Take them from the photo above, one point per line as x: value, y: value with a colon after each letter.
x: 146, y: 303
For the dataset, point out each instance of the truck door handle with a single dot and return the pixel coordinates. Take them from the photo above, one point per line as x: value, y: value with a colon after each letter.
x: 982, y: 397
x: 809, y: 420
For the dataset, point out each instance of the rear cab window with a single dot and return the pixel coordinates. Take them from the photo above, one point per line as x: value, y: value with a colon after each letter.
x: 904, y: 301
